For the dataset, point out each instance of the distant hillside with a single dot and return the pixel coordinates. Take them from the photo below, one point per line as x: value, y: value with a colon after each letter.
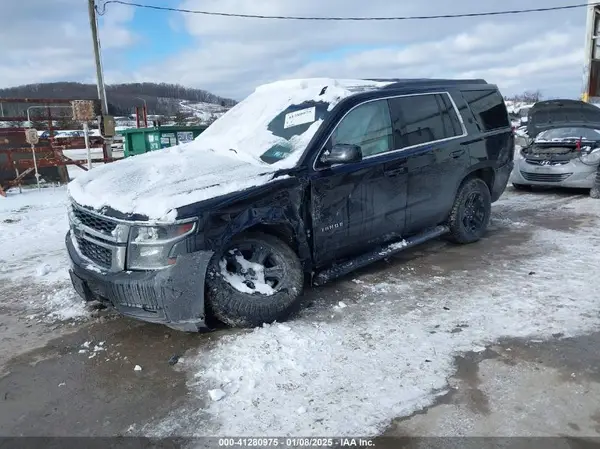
x: 162, y: 99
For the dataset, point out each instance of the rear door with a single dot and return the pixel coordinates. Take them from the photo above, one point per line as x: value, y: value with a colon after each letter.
x: 428, y: 129
x: 356, y: 206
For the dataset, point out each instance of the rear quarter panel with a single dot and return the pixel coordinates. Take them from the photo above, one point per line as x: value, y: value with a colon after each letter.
x: 487, y: 149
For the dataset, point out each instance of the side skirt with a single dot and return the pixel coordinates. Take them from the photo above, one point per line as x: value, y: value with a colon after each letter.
x: 379, y: 253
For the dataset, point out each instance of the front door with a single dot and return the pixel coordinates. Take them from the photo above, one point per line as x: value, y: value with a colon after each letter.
x: 359, y: 205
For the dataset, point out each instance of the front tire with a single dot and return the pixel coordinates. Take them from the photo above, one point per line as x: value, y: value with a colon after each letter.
x: 471, y: 212
x: 255, y: 279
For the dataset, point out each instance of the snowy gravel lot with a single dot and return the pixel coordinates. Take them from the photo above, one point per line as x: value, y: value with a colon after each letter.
x: 388, y: 351
x: 367, y: 349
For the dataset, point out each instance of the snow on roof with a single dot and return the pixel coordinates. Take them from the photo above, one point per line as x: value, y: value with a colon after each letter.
x: 223, y: 159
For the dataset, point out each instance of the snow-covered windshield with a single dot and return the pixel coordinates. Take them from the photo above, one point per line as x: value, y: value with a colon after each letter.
x: 568, y: 134
x: 275, y: 123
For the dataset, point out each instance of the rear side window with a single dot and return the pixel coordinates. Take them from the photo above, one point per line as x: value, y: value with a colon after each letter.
x: 420, y: 119
x: 488, y: 108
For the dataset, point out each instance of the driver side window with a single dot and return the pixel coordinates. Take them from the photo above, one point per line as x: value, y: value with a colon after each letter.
x: 369, y: 126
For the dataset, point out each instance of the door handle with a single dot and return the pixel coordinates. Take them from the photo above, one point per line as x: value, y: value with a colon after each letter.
x: 458, y: 153
x: 396, y: 171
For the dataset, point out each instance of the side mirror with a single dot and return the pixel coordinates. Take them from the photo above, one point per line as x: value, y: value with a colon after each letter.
x: 342, y: 154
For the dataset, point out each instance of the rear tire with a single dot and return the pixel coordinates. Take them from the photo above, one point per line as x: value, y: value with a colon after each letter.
x: 523, y: 187
x: 270, y: 294
x: 471, y: 212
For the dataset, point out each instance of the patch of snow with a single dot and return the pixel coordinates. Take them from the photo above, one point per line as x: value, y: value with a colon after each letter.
x: 43, y: 270
x: 61, y: 305
x: 217, y: 394
x: 223, y: 159
x: 86, y: 344
x: 341, y: 305
x: 237, y: 280
x: 25, y: 218
x: 33, y: 261
x: 352, y: 379
x: 393, y: 247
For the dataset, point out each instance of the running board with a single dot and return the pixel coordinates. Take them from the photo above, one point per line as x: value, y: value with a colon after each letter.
x: 380, y: 253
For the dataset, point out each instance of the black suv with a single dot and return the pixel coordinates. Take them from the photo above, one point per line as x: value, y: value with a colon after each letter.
x: 333, y: 176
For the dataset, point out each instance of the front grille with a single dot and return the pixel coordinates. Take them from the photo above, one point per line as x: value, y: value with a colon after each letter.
x: 94, y: 222
x: 545, y: 162
x: 545, y: 177
x: 94, y: 252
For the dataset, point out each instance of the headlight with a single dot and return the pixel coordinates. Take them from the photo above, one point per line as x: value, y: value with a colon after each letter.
x: 154, y: 247
x: 592, y: 158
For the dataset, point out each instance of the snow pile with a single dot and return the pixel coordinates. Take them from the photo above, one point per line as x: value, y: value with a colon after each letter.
x: 33, y: 226
x: 34, y: 261
x: 353, y: 374
x: 223, y: 159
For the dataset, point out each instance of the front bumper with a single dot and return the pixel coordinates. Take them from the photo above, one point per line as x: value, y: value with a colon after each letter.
x: 571, y: 175
x: 173, y: 296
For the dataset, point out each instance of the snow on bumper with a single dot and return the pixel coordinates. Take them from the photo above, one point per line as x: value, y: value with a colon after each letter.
x: 173, y: 296
x: 573, y: 174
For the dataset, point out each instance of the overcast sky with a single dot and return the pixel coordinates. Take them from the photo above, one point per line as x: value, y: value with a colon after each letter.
x: 43, y: 40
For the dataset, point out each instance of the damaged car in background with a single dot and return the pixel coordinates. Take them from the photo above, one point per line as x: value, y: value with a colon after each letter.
x: 562, y: 148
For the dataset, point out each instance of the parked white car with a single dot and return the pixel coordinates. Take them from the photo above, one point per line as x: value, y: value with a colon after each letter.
x: 562, y: 146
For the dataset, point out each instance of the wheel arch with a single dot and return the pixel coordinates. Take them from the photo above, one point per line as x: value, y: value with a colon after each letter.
x: 486, y: 174
x: 294, y: 237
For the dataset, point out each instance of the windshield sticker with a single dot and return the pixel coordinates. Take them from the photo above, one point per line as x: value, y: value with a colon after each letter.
x: 300, y: 117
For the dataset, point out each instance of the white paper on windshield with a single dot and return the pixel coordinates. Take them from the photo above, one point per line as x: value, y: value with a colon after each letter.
x: 300, y: 117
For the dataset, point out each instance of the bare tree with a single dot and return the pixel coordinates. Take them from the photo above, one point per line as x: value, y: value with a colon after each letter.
x: 530, y: 96
x: 181, y: 118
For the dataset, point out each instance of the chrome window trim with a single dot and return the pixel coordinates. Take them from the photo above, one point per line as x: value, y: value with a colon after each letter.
x: 391, y: 97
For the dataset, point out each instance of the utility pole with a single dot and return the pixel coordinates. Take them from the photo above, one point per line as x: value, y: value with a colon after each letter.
x: 98, y: 61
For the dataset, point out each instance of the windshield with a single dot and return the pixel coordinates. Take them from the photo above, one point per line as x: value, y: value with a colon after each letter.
x: 275, y: 124
x: 569, y: 134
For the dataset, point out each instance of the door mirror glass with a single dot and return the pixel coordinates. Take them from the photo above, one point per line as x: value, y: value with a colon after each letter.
x: 342, y: 153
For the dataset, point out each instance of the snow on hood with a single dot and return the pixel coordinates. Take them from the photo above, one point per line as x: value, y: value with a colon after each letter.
x: 229, y: 156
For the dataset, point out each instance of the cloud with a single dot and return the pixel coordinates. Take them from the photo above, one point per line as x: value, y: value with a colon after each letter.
x: 517, y: 52
x: 230, y: 56
x: 51, y: 41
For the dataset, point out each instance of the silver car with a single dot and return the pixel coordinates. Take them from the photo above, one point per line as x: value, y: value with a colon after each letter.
x: 562, y: 147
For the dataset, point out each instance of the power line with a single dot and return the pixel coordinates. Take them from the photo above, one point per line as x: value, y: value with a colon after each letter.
x: 259, y: 16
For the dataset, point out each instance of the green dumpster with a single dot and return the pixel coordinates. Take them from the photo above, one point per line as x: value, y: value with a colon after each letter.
x: 142, y: 140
